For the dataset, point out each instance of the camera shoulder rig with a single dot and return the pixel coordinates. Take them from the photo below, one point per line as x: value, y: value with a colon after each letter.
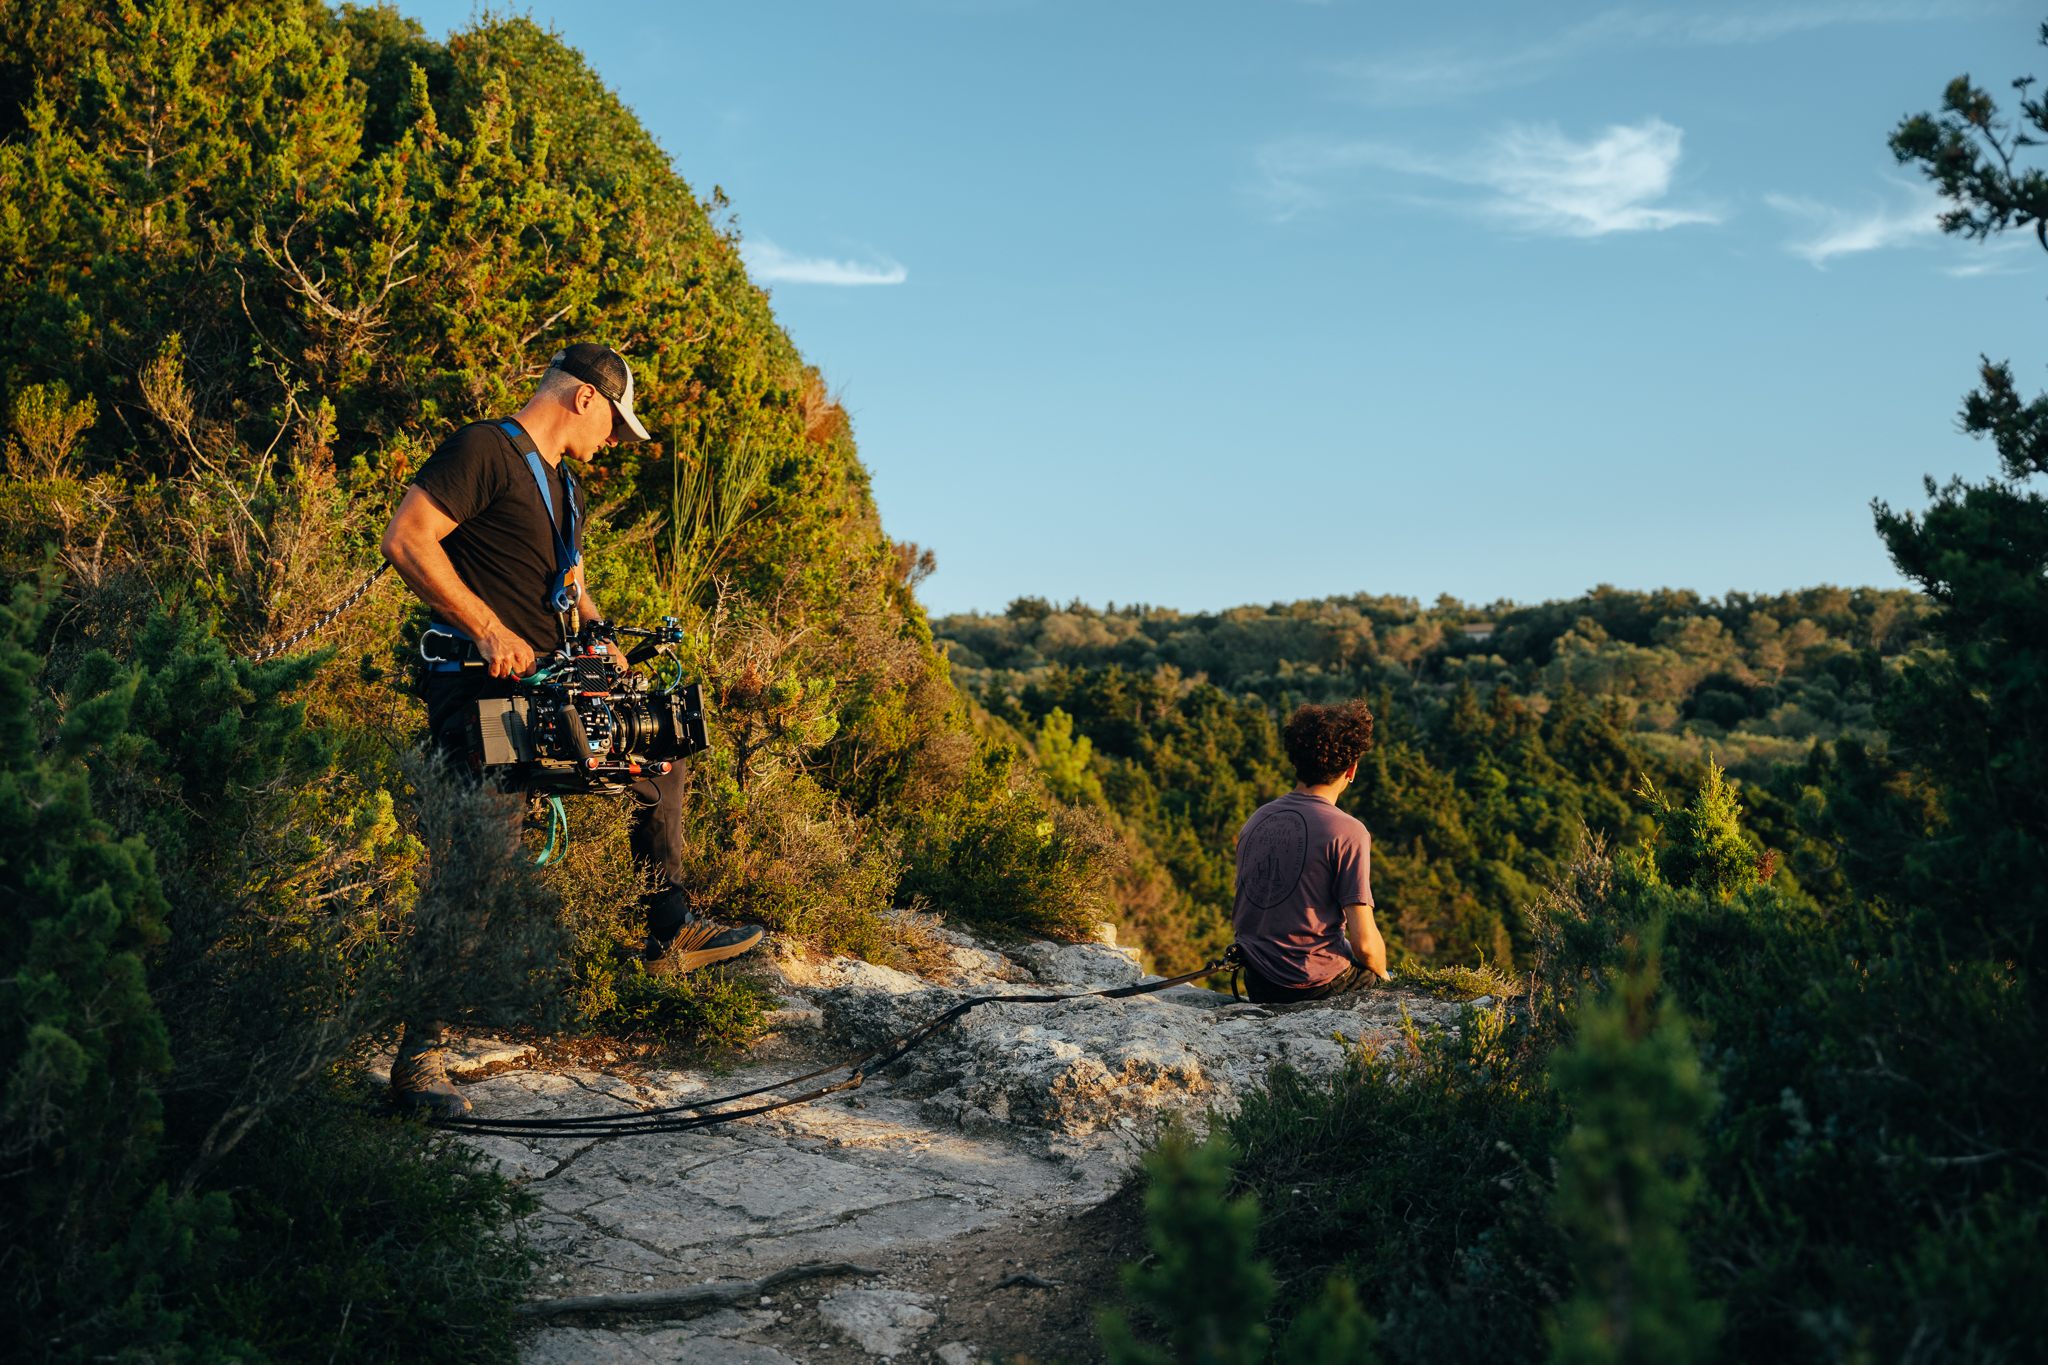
x: 584, y: 721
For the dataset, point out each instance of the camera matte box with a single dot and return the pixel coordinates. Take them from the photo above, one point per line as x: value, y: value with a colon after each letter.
x: 689, y: 713
x: 501, y: 729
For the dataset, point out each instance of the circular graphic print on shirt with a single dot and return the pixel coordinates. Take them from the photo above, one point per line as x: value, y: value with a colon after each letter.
x: 1270, y: 857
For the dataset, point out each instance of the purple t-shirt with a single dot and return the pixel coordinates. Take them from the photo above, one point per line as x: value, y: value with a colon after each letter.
x: 1300, y: 861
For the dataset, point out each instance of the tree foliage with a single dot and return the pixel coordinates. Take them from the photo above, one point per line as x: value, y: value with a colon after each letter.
x: 1493, y: 752
x: 1626, y: 1179
x: 1970, y: 720
x: 1802, y: 1099
x: 87, y: 1050
x: 257, y: 257
x: 1206, y: 1292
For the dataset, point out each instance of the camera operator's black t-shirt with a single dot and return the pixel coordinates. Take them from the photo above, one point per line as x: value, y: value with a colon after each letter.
x: 501, y: 546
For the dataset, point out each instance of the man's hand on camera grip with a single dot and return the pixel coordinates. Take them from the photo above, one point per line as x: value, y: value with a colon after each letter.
x: 508, y: 655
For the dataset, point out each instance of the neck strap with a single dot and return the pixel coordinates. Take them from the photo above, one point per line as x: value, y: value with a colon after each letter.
x: 562, y: 593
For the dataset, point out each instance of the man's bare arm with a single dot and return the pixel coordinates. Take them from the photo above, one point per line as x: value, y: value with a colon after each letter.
x: 1366, y: 944
x: 587, y: 609
x: 412, y: 542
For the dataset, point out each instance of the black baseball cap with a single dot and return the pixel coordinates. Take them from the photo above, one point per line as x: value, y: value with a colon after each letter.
x: 608, y: 371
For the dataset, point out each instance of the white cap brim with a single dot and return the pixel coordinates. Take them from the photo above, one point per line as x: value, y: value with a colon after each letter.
x: 623, y: 405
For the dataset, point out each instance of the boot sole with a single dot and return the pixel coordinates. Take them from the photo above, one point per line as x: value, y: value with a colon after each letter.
x: 690, y: 959
x: 430, y: 1108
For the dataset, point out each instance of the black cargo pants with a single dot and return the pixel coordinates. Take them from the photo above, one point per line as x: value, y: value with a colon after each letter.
x: 656, y: 837
x: 1259, y: 990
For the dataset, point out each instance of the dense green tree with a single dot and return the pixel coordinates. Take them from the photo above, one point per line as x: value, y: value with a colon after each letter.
x: 1951, y: 816
x: 86, y: 1049
x: 256, y: 258
x: 1626, y: 1178
x: 1209, y: 1292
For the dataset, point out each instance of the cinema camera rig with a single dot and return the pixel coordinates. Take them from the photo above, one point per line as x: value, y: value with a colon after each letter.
x: 585, y: 722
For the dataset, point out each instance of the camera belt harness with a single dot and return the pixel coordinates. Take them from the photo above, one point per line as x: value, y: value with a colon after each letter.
x: 558, y: 835
x: 681, y: 1118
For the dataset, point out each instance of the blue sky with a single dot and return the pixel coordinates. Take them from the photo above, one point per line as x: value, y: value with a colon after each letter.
x: 1208, y: 303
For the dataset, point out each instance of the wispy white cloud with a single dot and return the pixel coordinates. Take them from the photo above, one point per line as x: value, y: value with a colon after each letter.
x: 1534, y: 177
x: 1438, y: 75
x: 1770, y: 24
x: 1546, y: 182
x: 1293, y: 173
x: 2001, y: 256
x: 1833, y: 231
x: 770, y: 264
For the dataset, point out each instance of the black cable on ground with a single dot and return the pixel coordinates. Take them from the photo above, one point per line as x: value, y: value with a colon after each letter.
x: 672, y: 1119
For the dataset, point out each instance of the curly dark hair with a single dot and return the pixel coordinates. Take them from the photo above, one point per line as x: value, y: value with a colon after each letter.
x: 1325, y: 740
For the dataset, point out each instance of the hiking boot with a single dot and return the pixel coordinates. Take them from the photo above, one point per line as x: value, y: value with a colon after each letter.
x: 701, y: 942
x: 419, y: 1077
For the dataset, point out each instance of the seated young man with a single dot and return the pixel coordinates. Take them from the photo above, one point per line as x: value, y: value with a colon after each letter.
x: 1304, y: 871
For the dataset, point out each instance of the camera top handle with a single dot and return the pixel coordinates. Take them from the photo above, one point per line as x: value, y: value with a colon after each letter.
x: 669, y: 632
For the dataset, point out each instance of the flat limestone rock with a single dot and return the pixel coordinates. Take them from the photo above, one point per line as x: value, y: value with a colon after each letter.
x: 1089, y: 965
x: 697, y: 1343
x: 471, y: 1057
x: 796, y: 1013
x: 969, y: 965
x: 1014, y: 1114
x: 1196, y: 997
x: 882, y: 1322
x: 1089, y: 1064
x: 850, y: 973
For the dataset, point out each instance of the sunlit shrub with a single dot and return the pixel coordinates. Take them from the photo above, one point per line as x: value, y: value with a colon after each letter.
x: 1002, y: 853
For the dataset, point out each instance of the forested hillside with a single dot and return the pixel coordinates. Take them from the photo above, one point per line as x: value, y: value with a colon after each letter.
x: 257, y: 257
x: 1772, y: 1087
x: 1502, y: 731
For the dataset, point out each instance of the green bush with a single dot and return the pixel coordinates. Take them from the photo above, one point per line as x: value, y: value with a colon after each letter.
x: 1207, y: 1293
x: 1422, y: 1179
x: 87, y: 1050
x: 1202, y: 1287
x: 1458, y: 982
x: 790, y: 857
x: 1626, y: 1178
x: 705, y: 1008
x: 361, y: 1238
x: 1002, y: 854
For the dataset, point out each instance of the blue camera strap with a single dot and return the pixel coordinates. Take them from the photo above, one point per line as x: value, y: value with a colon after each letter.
x: 562, y: 594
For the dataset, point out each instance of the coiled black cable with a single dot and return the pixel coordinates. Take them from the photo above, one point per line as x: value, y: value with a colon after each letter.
x: 682, y: 1118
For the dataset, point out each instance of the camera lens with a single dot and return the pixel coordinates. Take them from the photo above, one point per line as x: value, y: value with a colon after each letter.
x: 637, y: 730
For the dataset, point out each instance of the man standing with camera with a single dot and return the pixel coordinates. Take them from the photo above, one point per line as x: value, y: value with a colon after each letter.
x: 489, y: 534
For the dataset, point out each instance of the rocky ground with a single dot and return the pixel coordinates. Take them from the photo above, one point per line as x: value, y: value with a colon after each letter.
x: 978, y: 1181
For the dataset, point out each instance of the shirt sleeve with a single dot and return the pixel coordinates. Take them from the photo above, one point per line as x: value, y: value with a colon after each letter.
x: 1353, y: 868
x: 466, y: 474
